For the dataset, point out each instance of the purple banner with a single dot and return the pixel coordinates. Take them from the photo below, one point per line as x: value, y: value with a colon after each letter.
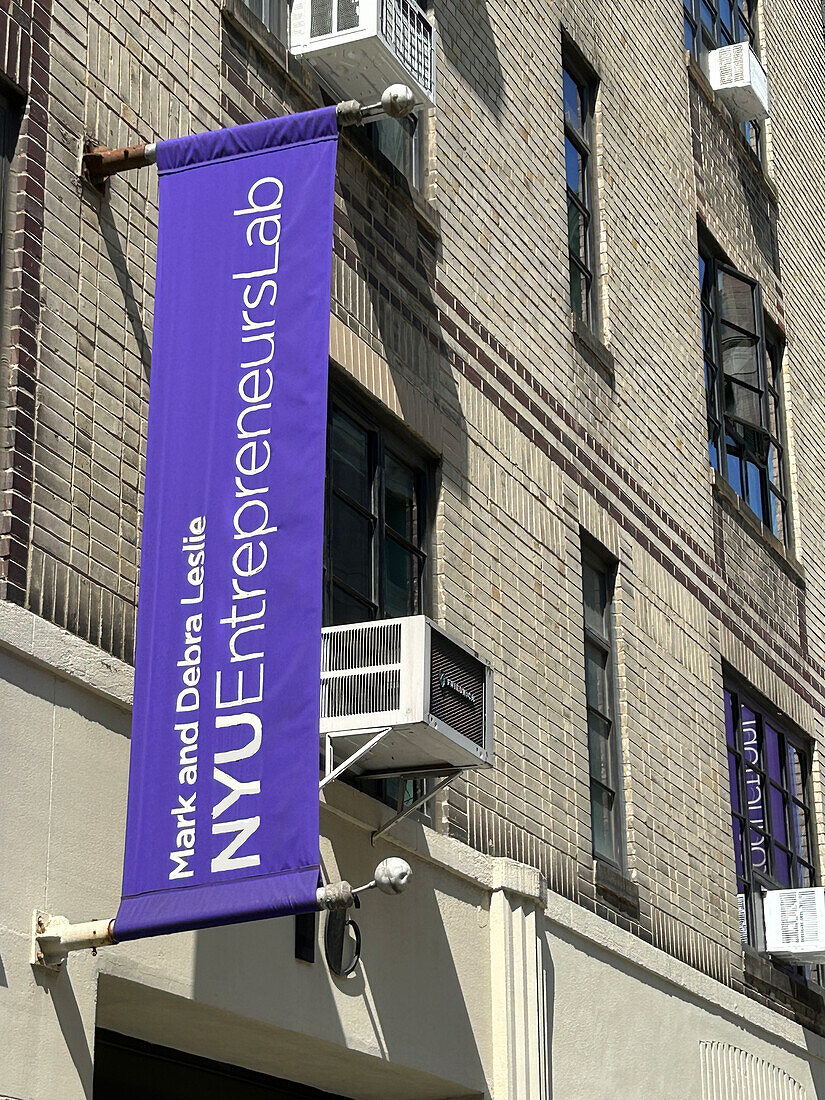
x: 222, y: 821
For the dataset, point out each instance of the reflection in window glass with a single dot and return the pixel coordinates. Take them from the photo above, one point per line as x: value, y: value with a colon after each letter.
x: 743, y: 384
x: 599, y: 693
x: 577, y: 97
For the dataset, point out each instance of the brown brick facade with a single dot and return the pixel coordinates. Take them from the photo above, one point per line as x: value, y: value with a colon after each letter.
x: 450, y: 312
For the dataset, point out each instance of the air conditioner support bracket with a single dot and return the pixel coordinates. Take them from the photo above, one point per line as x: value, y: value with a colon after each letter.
x: 446, y: 779
x: 331, y: 770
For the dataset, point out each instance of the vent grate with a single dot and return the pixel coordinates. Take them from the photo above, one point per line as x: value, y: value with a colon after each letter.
x: 407, y: 30
x: 457, y: 682
x: 361, y: 670
x: 799, y: 918
x: 373, y: 692
x: 732, y: 64
x: 364, y: 646
x: 332, y: 16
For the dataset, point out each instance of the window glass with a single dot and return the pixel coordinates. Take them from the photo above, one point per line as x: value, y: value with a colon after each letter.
x: 595, y: 668
x: 402, y: 587
x: 399, y: 140
x: 350, y: 459
x: 599, y: 692
x: 601, y: 764
x: 577, y: 126
x: 602, y: 805
x: 743, y: 384
x: 400, y: 498
x: 573, y: 113
x: 273, y: 15
x: 374, y: 554
x: 594, y: 592
x: 352, y: 538
x: 574, y: 168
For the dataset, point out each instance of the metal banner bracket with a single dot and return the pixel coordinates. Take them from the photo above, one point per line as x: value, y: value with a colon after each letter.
x: 98, y: 162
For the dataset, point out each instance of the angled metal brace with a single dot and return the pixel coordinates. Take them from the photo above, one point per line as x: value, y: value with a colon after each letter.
x: 331, y: 772
x: 416, y: 802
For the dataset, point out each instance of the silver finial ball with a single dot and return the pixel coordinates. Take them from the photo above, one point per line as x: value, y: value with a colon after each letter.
x: 398, y: 100
x: 392, y: 875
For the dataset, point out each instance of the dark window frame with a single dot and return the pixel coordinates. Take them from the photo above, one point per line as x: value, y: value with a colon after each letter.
x: 604, y: 767
x: 773, y: 787
x: 382, y: 442
x: 733, y: 444
x: 582, y: 260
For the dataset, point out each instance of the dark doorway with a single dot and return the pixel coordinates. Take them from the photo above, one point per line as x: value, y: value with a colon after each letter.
x: 129, y: 1069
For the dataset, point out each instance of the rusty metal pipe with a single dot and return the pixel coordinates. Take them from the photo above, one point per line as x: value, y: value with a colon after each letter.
x: 98, y: 162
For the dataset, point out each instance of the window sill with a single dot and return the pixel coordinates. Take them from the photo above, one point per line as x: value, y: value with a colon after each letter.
x: 787, y: 561
x: 253, y: 30
x: 615, y: 889
x: 699, y: 78
x: 765, y: 978
x: 591, y: 348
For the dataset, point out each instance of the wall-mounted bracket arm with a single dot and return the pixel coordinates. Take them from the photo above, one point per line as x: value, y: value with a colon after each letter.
x: 99, y: 162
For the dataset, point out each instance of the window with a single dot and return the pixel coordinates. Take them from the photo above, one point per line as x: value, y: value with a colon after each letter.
x: 375, y: 559
x: 578, y: 116
x: 602, y: 731
x: 376, y: 529
x: 399, y: 140
x: 743, y: 384
x: 710, y: 24
x: 770, y: 797
x: 273, y: 14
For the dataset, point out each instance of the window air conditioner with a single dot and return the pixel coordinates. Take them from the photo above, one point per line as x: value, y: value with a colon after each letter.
x: 740, y: 81
x: 360, y: 47
x: 795, y: 924
x: 433, y: 693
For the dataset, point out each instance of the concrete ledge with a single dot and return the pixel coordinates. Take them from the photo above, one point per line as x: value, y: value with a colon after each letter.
x: 595, y: 932
x: 63, y: 654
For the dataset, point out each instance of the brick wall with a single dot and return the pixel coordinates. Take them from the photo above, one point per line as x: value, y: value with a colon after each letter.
x: 450, y: 309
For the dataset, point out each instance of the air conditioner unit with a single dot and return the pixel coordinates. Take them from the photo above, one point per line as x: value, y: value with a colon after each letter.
x: 740, y: 81
x: 359, y: 47
x: 795, y: 924
x: 431, y: 692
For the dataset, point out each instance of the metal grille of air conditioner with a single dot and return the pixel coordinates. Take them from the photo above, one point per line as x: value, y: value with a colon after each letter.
x: 406, y: 29
x: 328, y: 17
x: 457, y: 688
x: 799, y: 921
x: 361, y: 670
x: 732, y: 64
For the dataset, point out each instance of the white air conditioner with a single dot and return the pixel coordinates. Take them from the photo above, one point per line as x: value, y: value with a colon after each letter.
x: 795, y: 924
x: 432, y: 693
x: 740, y: 81
x: 360, y: 47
